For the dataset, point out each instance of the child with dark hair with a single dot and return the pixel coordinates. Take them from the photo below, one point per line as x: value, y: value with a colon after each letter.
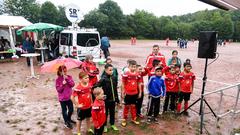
x: 82, y: 98
x: 130, y: 93
x: 64, y: 85
x: 188, y: 61
x: 109, y: 85
x: 157, y: 90
x: 98, y: 111
x: 186, y: 86
x: 151, y: 71
x: 115, y: 72
x: 174, y: 60
x: 139, y: 102
x: 172, y: 88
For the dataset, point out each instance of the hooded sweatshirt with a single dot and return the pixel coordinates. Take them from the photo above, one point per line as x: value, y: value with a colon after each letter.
x: 64, y: 90
x: 156, y: 87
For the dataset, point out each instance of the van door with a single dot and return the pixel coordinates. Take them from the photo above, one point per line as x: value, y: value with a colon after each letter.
x: 66, y: 44
x: 88, y: 43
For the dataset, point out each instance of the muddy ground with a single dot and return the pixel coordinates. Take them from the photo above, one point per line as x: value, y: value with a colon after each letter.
x: 31, y: 106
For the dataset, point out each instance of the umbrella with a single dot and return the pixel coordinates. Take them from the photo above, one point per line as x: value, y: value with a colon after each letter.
x: 52, y: 66
x: 36, y: 27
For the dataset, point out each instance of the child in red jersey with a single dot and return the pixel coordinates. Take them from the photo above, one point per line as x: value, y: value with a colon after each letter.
x: 90, y: 68
x: 141, y: 73
x: 82, y: 98
x: 151, y: 71
x: 172, y: 88
x: 98, y: 111
x: 186, y: 86
x: 130, y: 87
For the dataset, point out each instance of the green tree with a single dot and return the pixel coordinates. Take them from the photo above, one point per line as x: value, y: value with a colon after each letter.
x: 61, y: 17
x: 116, y: 21
x: 26, y: 8
x: 97, y: 20
x: 224, y: 26
x: 48, y: 13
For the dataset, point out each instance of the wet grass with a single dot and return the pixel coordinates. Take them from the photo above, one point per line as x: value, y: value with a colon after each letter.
x: 55, y: 129
x: 14, y: 121
x: 235, y: 130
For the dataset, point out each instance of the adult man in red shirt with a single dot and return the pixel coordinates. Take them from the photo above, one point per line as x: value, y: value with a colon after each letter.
x: 155, y: 55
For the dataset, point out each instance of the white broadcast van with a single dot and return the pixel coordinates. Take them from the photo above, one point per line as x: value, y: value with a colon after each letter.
x: 78, y: 42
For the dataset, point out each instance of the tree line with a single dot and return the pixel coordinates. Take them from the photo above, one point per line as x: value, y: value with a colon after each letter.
x: 109, y: 19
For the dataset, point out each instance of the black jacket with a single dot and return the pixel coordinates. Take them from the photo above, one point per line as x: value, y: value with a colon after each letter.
x: 109, y: 85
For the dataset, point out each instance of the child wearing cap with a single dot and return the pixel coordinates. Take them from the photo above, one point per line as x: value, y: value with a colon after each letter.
x: 98, y: 111
x: 186, y: 87
x: 157, y: 90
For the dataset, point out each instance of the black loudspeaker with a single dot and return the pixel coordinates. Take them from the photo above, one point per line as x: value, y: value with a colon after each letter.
x: 207, y: 44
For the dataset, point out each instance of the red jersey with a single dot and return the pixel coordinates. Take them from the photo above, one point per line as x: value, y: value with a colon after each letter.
x: 84, y: 95
x: 92, y: 70
x: 159, y: 57
x: 98, y: 113
x: 172, y: 83
x: 130, y: 81
x: 166, y: 70
x: 186, y: 81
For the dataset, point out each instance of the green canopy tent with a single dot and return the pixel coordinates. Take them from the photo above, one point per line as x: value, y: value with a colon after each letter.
x: 37, y: 27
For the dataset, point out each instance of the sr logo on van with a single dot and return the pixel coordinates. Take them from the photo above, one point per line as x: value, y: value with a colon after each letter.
x: 73, y: 13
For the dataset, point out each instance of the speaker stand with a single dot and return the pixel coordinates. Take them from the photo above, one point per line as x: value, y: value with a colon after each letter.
x: 202, y: 99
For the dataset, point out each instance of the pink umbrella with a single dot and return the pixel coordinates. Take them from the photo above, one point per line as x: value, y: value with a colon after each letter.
x: 52, y: 66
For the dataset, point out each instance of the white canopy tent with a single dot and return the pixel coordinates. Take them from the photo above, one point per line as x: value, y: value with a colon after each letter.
x: 10, y: 23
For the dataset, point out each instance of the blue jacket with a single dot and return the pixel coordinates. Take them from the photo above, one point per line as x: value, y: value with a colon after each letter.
x: 156, y: 86
x: 27, y: 46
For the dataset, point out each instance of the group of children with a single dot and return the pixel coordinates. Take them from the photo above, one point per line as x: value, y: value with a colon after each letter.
x: 98, y: 98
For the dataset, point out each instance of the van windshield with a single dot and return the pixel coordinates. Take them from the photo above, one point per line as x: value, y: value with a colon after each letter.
x: 66, y: 39
x: 87, y: 39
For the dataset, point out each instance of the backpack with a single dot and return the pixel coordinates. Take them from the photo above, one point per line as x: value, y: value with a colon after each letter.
x: 104, y: 43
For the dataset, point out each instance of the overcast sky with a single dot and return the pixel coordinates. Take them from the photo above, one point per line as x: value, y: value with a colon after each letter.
x: 157, y: 7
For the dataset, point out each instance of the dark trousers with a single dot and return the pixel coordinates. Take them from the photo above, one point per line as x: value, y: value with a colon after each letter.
x: 153, y: 106
x: 110, y: 107
x: 28, y: 61
x: 139, y: 104
x: 172, y: 97
x: 106, y: 53
x: 99, y: 131
x: 67, y: 110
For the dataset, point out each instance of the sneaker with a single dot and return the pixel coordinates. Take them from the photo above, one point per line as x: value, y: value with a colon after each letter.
x: 136, y: 122
x: 149, y: 120
x: 90, y: 131
x: 68, y: 125
x: 73, y: 122
x: 114, y: 128
x: 155, y: 119
x: 105, y: 130
x: 78, y: 133
x: 140, y: 116
x: 124, y: 123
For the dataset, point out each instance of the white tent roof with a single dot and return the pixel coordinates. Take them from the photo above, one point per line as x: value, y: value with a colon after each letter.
x: 6, y: 21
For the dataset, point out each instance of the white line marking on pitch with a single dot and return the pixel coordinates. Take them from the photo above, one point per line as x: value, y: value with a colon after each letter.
x: 215, y: 81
